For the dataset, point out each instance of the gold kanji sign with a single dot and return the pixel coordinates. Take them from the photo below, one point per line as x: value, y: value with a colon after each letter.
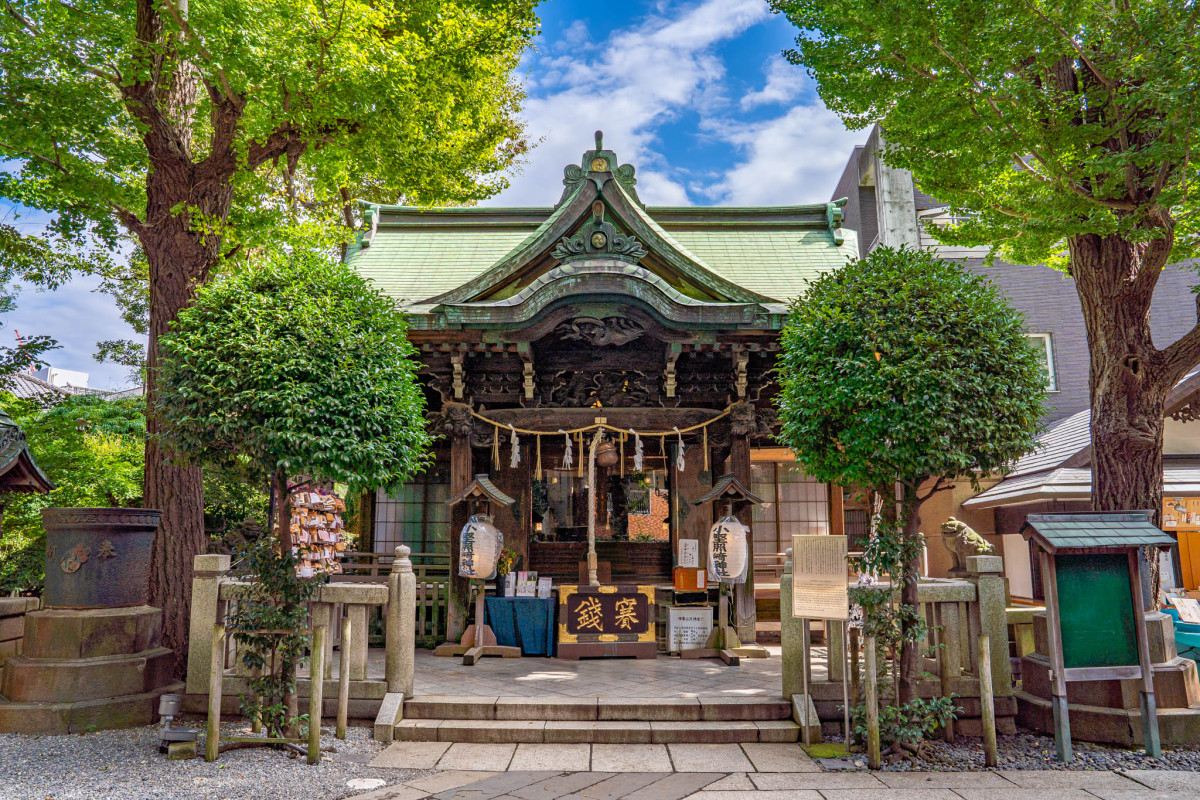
x: 606, y: 614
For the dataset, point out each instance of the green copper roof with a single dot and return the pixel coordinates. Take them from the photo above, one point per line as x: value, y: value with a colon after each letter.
x: 424, y: 257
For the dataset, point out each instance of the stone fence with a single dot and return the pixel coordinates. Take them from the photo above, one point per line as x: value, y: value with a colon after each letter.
x: 214, y: 590
x: 957, y: 612
x: 12, y: 625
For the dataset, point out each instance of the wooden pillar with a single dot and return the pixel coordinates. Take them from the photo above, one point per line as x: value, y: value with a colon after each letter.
x: 745, y: 613
x: 460, y: 424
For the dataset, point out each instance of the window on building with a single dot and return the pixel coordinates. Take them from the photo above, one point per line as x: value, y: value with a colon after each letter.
x: 793, y: 503
x: 1043, y: 345
x: 414, y: 514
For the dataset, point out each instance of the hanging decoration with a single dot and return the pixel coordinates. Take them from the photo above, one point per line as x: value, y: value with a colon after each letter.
x: 568, y: 458
x: 639, y: 451
x: 514, y: 460
x: 680, y: 464
x: 727, y: 551
x: 496, y: 447
x: 537, y: 473
x: 480, y: 545
x: 704, y: 446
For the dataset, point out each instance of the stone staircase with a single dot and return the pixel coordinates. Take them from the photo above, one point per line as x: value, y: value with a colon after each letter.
x: 597, y: 720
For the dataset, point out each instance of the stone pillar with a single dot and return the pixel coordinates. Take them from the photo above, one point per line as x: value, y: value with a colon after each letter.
x: 207, y: 572
x: 459, y: 426
x: 401, y: 624
x: 745, y: 612
x: 985, y: 573
x: 791, y: 632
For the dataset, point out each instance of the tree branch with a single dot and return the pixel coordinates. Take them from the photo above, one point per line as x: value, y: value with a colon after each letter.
x: 182, y: 22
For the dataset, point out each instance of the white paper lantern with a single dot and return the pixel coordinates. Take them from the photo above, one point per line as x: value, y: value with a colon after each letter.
x: 727, y: 551
x: 480, y: 544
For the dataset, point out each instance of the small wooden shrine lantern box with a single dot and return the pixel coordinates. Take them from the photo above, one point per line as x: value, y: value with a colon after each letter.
x: 1091, y: 574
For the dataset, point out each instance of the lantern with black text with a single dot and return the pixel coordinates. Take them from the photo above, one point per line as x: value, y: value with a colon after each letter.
x: 480, y: 544
x: 727, y: 551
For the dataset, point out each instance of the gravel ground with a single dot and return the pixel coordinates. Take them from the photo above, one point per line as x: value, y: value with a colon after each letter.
x: 1029, y: 751
x: 127, y: 765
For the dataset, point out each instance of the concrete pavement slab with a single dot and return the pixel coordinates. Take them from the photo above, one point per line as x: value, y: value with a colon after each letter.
x: 1165, y: 779
x: 411, y: 755
x: 450, y: 779
x: 494, y: 786
x: 630, y: 758
x: 481, y: 757
x: 1040, y: 793
x: 1141, y: 794
x: 707, y: 757
x: 889, y: 794
x: 618, y: 786
x: 771, y: 757
x: 560, y: 786
x: 1068, y: 779
x: 675, y: 787
x: 943, y: 780
x: 559, y: 757
x: 772, y: 781
x: 785, y: 794
x: 737, y: 782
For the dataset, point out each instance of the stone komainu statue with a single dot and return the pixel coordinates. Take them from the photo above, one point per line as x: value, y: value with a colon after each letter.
x: 962, y: 541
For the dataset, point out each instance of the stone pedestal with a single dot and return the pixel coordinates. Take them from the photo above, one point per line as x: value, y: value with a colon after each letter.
x: 1109, y: 711
x: 86, y: 669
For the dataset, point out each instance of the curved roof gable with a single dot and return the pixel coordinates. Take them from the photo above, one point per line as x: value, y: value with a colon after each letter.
x: 429, y: 259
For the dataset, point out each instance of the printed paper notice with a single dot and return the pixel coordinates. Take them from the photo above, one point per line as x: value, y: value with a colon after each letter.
x: 819, y: 586
x: 1189, y: 610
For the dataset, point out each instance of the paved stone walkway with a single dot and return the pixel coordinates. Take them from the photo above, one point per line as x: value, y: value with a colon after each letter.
x: 666, y: 676
x: 727, y: 772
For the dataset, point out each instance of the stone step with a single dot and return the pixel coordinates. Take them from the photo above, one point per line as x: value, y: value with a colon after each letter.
x: 610, y: 709
x: 595, y: 731
x: 43, y: 680
x: 130, y: 711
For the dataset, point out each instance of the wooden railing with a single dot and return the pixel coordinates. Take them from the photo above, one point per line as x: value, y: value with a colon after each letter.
x: 956, y: 610
x: 360, y: 567
x: 216, y: 592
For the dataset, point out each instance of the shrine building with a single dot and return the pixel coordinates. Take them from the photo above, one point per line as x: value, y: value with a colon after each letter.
x: 538, y: 327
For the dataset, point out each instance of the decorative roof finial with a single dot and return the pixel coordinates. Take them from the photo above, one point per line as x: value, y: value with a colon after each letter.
x: 599, y: 140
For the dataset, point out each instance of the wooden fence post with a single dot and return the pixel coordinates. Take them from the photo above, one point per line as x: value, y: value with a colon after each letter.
x: 343, y: 705
x: 317, y: 694
x: 987, y: 703
x: 872, y: 701
x: 216, y: 674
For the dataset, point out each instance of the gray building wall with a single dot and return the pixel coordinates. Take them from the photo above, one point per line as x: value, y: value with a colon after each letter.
x: 1045, y: 297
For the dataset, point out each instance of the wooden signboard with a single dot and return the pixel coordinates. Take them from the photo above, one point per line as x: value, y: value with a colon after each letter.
x: 597, y: 621
x: 1096, y: 611
x: 819, y: 586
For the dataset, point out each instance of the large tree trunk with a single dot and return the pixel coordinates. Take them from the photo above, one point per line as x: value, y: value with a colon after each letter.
x: 180, y: 258
x: 1129, y: 377
x: 177, y: 491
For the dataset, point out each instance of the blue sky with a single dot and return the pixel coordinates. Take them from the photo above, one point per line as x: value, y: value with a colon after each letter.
x: 695, y: 94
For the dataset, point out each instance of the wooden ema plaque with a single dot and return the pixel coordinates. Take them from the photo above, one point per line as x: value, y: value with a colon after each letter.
x: 606, y: 621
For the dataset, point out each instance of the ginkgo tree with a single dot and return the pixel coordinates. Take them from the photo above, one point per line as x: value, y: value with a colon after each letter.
x: 1060, y: 133
x: 195, y: 127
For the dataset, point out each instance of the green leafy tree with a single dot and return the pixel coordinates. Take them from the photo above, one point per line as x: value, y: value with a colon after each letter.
x: 294, y: 367
x: 92, y: 449
x: 199, y: 128
x: 900, y: 369
x: 1064, y: 133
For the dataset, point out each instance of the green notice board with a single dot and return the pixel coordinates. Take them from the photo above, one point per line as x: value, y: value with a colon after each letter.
x: 1096, y: 610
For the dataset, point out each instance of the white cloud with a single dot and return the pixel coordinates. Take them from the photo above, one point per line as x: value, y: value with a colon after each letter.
x: 792, y: 159
x: 77, y: 317
x: 637, y: 79
x: 785, y: 82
